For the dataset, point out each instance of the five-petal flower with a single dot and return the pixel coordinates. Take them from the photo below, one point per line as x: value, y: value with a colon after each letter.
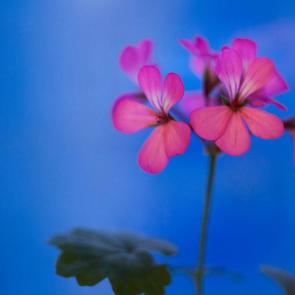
x: 169, y: 137
x: 246, y: 79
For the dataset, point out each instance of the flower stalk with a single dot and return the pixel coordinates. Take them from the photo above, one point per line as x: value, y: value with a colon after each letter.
x: 200, y: 270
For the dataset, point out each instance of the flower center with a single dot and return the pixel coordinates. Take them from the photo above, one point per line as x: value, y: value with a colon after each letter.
x: 163, y: 118
x: 235, y: 105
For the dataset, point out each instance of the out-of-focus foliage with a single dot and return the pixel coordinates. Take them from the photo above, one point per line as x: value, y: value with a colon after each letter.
x: 283, y: 278
x: 124, y: 259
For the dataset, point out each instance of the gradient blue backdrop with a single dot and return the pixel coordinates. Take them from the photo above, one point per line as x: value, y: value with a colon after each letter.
x: 63, y: 165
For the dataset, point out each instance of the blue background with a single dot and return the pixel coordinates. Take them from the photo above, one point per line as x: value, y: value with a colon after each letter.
x: 63, y: 165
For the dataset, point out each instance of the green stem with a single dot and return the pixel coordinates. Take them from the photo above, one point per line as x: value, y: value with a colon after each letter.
x: 200, y: 271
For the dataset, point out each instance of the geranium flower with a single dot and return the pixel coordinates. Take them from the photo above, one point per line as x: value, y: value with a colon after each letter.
x: 169, y: 137
x: 202, y: 63
x: 276, y: 85
x: 245, y: 79
x: 202, y: 59
x: 133, y: 58
x: 290, y: 127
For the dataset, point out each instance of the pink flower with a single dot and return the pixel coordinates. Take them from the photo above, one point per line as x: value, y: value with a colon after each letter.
x: 203, y: 59
x: 276, y: 85
x: 134, y: 57
x: 169, y: 137
x: 246, y: 79
x: 202, y: 63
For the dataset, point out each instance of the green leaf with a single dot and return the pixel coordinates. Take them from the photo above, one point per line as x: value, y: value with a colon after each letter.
x: 285, y: 279
x: 124, y: 259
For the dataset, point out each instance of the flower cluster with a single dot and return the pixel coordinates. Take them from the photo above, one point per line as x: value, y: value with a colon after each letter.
x: 236, y: 85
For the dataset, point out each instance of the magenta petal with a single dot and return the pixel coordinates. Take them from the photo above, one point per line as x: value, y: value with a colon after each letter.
x: 191, y: 101
x: 150, y: 81
x: 202, y: 45
x: 202, y: 58
x: 133, y: 58
x: 173, y: 91
x: 259, y: 73
x: 189, y: 46
x: 152, y: 157
x: 177, y: 138
x: 145, y: 50
x: 246, y: 49
x: 197, y: 47
x: 236, y: 139
x: 210, y: 123
x: 198, y: 65
x: 130, y: 114
x: 129, y: 62
x: 264, y: 100
x: 263, y: 124
x: 229, y: 70
x: 275, y: 86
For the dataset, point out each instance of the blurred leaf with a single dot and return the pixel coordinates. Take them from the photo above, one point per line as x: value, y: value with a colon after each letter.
x: 283, y: 278
x: 124, y: 259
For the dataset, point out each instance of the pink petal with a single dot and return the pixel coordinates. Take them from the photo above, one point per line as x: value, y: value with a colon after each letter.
x: 177, y: 137
x: 189, y: 46
x: 261, y: 101
x: 263, y: 124
x: 202, y: 45
x: 145, y: 50
x: 210, y: 123
x: 191, y: 101
x: 173, y: 91
x: 259, y: 73
x: 275, y: 86
x: 196, y: 47
x: 133, y: 58
x: 236, y: 139
x: 198, y: 65
x: 246, y: 49
x: 202, y: 57
x: 129, y: 61
x: 152, y: 157
x: 229, y: 70
x: 130, y: 114
x: 150, y: 81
